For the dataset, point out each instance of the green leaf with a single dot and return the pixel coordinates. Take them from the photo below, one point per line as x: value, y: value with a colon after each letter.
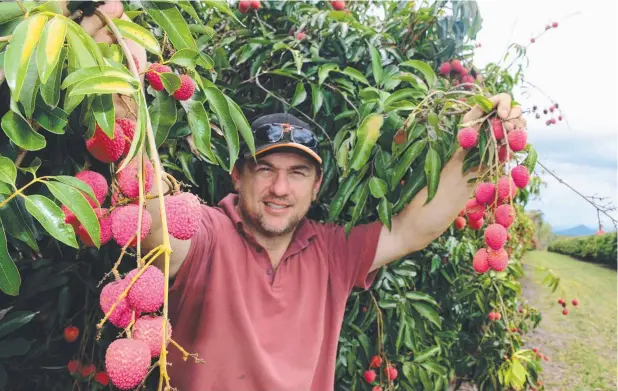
x: 75, y: 201
x: 427, y: 353
x: 415, y: 295
x: 530, y: 160
x: 376, y: 65
x: 378, y: 187
x: 169, y: 18
x: 171, y: 82
x: 14, y: 321
x: 424, y: 68
x: 163, y: 115
x: 54, y: 120
x: 200, y: 127
x: 34, y: 166
x: 21, y: 46
x: 140, y: 132
x: 432, y: 172
x: 87, y: 52
x: 241, y: 123
x: 79, y: 185
x: 50, y: 91
x: 483, y: 102
x: 84, y: 74
x: 104, y: 113
x: 9, y: 275
x: 4, y: 377
x: 366, y: 137
x: 28, y: 95
x: 103, y: 85
x: 223, y: 7
x: 355, y: 74
x: 15, y: 347
x: 18, y: 223
x: 402, y: 94
x: 8, y: 171
x: 140, y: 35
x: 219, y: 105
x: 324, y: 70
x: 50, y: 47
x: 186, y: 58
x: 385, y: 212
x: 404, y: 163
x: 51, y: 217
x: 299, y: 95
x: 317, y: 98
x: 427, y: 312
x: 21, y: 133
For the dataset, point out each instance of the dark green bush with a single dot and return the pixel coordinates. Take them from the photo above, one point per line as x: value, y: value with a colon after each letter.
x: 594, y: 248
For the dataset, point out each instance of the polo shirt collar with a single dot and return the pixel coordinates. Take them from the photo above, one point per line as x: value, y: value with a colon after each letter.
x: 302, y: 235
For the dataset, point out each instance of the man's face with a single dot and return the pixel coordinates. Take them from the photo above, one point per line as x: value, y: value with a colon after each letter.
x: 276, y: 192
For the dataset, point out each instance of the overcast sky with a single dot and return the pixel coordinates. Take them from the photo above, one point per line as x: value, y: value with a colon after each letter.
x: 576, y: 65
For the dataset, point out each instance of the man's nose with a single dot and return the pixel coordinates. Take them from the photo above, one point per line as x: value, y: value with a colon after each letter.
x: 280, y: 186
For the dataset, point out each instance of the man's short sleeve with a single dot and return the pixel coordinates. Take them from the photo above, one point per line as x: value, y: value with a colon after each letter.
x: 351, y: 256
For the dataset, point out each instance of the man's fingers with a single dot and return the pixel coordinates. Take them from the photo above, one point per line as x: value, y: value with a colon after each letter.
x: 475, y: 113
x: 503, y: 103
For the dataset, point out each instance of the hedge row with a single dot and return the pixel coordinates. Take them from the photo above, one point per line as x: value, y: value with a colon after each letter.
x: 594, y: 248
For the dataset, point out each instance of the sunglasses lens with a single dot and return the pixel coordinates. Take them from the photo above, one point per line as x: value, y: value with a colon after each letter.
x: 268, y: 134
x: 305, y: 137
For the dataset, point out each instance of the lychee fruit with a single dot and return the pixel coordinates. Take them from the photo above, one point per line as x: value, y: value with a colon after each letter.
x: 127, y: 362
x: 105, y: 224
x: 565, y: 311
x: 474, y: 210
x: 73, y: 366
x: 377, y: 388
x: 128, y: 128
x: 128, y: 179
x: 485, y: 192
x: 456, y: 66
x: 390, y: 372
x: 445, y: 68
x: 505, y: 215
x: 503, y: 153
x: 124, y: 224
x: 70, y: 218
x: 149, y: 329
x: 506, y: 189
x: 153, y: 75
x: 491, y: 316
x: 300, y: 36
x: 88, y: 370
x: 497, y: 259
x: 369, y: 375
x: 460, y: 223
x: 495, y: 236
x: 375, y: 362
x: 532, y: 40
x: 497, y: 128
x: 479, y: 262
x: 520, y: 175
x: 102, y: 378
x: 181, y: 210
x: 517, y: 139
x: 338, y: 5
x: 256, y: 4
x: 71, y: 333
x: 105, y: 149
x: 146, y: 295
x: 476, y: 224
x: 575, y: 302
x: 467, y: 137
x: 243, y: 6
x: 121, y: 316
x: 97, y: 183
x: 186, y: 89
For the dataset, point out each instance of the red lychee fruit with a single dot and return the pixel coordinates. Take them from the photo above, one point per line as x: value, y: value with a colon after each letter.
x: 521, y: 176
x: 467, y: 137
x: 70, y: 218
x: 497, y: 259
x: 121, y: 316
x: 467, y: 79
x: 73, y: 366
x: 485, y: 192
x: 561, y: 301
x: 243, y: 6
x: 338, y: 5
x: 256, y: 4
x: 491, y: 316
x: 460, y: 223
x: 71, y: 333
x: 124, y: 224
x: 300, y: 36
x: 479, y: 262
x: 146, y: 295
x: 377, y: 388
x: 128, y: 179
x: 517, y: 139
x: 575, y: 302
x: 186, y: 89
x: 532, y: 40
x: 476, y: 224
x: 97, y: 183
x: 505, y: 215
x: 456, y: 66
x: 153, y: 75
x: 127, y: 362
x: 88, y: 370
x: 181, y: 210
x: 506, y: 189
x: 105, y: 149
x: 128, y: 128
x: 497, y: 128
x: 474, y: 210
x: 504, y: 154
x: 554, y: 25
x: 105, y: 225
x: 390, y: 372
x: 149, y: 329
x: 102, y: 378
x: 495, y: 236
x: 565, y: 311
x: 445, y: 68
x: 369, y: 375
x: 375, y: 362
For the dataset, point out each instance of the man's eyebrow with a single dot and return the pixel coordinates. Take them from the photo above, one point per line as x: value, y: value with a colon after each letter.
x: 294, y: 167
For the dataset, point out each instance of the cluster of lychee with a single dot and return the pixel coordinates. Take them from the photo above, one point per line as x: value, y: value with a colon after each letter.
x: 187, y: 84
x: 540, y: 355
x: 455, y: 70
x: 547, y: 27
x: 370, y: 374
x: 245, y: 5
x: 78, y: 370
x: 551, y: 121
x: 563, y: 303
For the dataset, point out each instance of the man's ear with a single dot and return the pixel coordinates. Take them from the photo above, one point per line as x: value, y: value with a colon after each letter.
x: 236, y: 177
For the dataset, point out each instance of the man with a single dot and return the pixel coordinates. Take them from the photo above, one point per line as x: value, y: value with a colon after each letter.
x: 260, y: 291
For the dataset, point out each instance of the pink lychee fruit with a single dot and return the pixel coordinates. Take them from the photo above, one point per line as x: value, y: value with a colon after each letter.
x: 460, y: 223
x: 182, y: 210
x: 186, y: 89
x: 496, y: 127
x: 467, y: 137
x: 479, y: 262
x: 105, y: 149
x: 97, y: 183
x: 105, y: 224
x: 121, y: 316
x: 474, y: 210
x: 497, y: 259
x: 445, y: 68
x: 476, y: 224
x: 517, y: 139
x: 505, y: 215
x: 495, y: 236
x: 456, y: 66
x: 127, y: 126
x: 506, y: 189
x: 153, y: 75
x: 146, y: 295
x: 124, y: 224
x: 70, y: 218
x: 485, y: 192
x: 128, y: 180
x: 127, y: 362
x: 503, y: 153
x: 149, y: 329
x: 520, y: 175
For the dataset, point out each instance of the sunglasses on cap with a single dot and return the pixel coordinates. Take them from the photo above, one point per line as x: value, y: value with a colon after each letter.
x: 273, y: 133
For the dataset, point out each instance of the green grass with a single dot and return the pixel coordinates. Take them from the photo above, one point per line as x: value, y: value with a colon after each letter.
x: 582, y: 344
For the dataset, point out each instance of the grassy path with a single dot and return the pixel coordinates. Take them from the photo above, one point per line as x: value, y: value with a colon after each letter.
x: 582, y: 344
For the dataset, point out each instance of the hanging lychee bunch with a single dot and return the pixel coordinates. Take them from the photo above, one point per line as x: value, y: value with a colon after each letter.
x: 183, y: 92
x: 553, y: 111
x: 455, y: 70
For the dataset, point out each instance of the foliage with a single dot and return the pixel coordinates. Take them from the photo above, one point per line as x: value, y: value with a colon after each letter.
x: 386, y: 121
x: 594, y: 248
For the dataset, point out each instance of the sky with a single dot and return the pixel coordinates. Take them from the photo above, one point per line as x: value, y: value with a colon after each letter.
x: 575, y: 65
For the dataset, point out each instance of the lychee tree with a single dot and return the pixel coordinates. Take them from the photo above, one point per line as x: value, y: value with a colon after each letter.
x: 385, y: 84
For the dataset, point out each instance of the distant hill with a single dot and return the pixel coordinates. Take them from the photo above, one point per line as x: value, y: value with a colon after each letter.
x: 579, y: 230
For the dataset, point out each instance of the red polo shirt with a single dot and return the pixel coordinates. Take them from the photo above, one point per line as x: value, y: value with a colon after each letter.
x: 257, y: 332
